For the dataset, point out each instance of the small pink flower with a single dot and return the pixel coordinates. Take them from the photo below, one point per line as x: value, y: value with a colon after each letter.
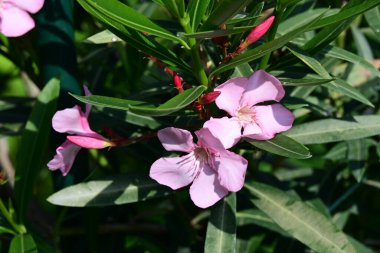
x: 239, y: 98
x: 74, y: 122
x: 211, y: 170
x: 14, y: 16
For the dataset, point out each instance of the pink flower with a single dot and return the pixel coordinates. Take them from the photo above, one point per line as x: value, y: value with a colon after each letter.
x: 211, y: 170
x: 74, y: 122
x: 14, y: 16
x: 239, y: 98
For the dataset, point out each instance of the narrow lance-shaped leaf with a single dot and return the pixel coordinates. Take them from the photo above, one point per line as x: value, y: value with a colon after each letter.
x: 338, y: 85
x: 340, y: 53
x: 262, y: 50
x: 216, y: 33
x: 221, y: 228
x: 127, y: 16
x: 34, y: 141
x: 372, y: 17
x: 224, y: 11
x: 333, y: 130
x: 346, y: 13
x: 175, y: 104
x: 284, y: 146
x: 115, y: 190
x: 300, y: 220
x: 136, y: 39
x: 197, y: 10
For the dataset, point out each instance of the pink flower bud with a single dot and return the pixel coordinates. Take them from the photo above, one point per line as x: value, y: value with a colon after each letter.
x: 89, y: 142
x: 259, y: 30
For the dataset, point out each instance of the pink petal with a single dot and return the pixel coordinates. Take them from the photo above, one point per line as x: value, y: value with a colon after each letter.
x: 231, y: 169
x: 259, y: 30
x: 206, y: 189
x: 87, y: 92
x: 175, y: 139
x: 72, y: 121
x: 272, y: 119
x: 251, y: 129
x: 207, y: 140
x: 175, y: 172
x: 227, y: 130
x: 90, y: 142
x: 15, y: 22
x: 31, y: 6
x: 261, y: 87
x: 64, y: 158
x: 231, y: 93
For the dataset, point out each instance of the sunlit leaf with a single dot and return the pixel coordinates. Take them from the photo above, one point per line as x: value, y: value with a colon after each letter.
x: 300, y: 220
x: 115, y: 190
x: 221, y: 228
x: 333, y: 130
x: 284, y: 146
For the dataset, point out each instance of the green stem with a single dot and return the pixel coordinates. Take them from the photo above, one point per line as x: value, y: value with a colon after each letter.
x: 198, y: 68
x: 272, y: 34
x: 17, y: 227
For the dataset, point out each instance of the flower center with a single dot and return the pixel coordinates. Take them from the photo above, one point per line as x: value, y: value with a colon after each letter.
x: 246, y: 115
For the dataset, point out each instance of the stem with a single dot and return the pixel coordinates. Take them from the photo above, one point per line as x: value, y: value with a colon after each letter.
x: 272, y: 34
x: 19, y: 228
x: 198, y: 69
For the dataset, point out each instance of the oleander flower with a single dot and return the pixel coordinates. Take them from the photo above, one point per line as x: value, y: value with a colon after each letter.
x: 240, y: 97
x: 15, y: 19
x: 74, y: 122
x: 211, y: 170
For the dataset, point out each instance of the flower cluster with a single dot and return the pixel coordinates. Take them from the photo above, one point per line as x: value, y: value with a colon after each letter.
x: 212, y: 170
x: 14, y: 16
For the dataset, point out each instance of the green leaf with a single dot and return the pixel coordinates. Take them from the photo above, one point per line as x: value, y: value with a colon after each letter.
x: 340, y: 53
x: 346, y: 13
x: 357, y: 155
x: 115, y: 190
x: 304, y: 82
x: 337, y: 152
x: 103, y: 37
x: 372, y: 17
x: 259, y: 218
x: 262, y: 50
x: 172, y: 7
x: 4, y: 230
x: 175, y: 104
x: 333, y: 130
x: 197, y: 10
x: 217, y: 33
x: 224, y: 11
x: 138, y: 40
x: 284, y: 146
x: 34, y: 140
x: 221, y: 228
x: 23, y: 244
x: 300, y: 220
x: 361, y: 44
x: 127, y: 16
x: 337, y: 85
x: 109, y: 102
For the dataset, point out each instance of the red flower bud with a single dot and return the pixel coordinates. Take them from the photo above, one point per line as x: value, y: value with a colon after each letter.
x: 209, y: 97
